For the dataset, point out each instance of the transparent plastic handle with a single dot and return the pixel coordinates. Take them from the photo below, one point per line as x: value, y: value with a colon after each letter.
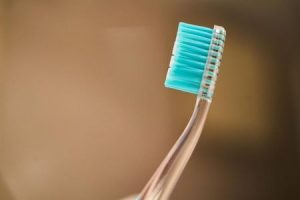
x: 163, y: 181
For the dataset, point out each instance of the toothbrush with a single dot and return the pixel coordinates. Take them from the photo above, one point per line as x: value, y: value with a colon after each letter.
x: 194, y: 67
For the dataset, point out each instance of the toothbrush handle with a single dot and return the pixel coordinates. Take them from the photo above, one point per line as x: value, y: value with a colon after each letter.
x: 163, y: 181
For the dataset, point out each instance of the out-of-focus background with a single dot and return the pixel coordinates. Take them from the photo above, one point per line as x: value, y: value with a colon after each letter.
x: 84, y: 114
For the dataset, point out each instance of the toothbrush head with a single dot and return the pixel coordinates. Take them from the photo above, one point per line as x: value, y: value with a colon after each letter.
x: 196, y: 59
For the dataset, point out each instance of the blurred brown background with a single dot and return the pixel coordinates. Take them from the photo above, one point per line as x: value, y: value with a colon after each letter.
x: 84, y: 114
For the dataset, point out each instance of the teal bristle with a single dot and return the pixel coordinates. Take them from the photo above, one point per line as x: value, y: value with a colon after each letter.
x: 196, y: 48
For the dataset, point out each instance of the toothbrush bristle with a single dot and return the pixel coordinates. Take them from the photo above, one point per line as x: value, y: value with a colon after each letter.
x: 196, y: 54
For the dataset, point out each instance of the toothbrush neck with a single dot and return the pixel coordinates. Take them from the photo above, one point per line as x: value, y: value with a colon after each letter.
x: 167, y: 174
